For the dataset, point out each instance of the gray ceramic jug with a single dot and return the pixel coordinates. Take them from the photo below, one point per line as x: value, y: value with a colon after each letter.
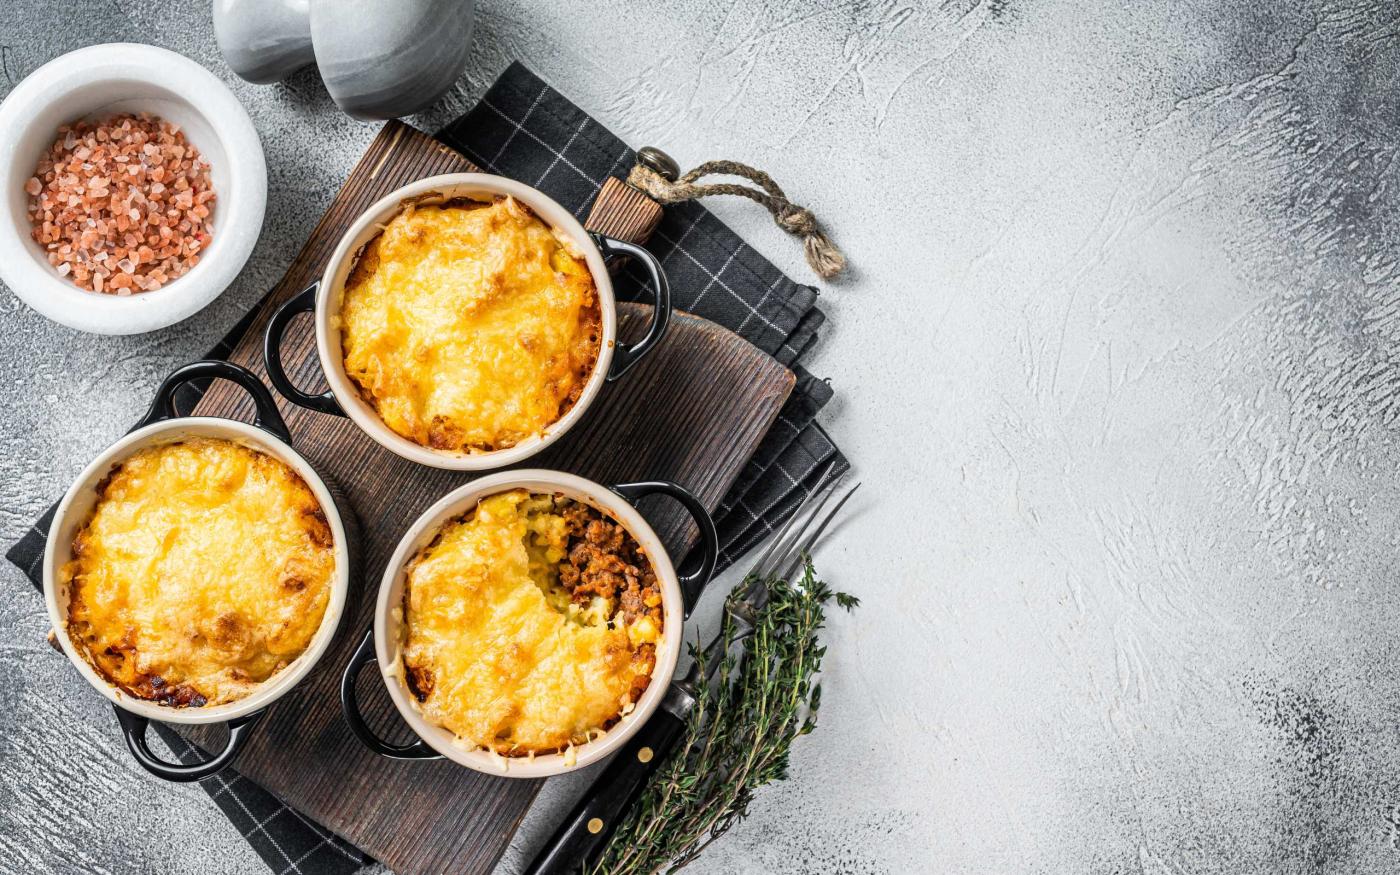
x: 379, y: 58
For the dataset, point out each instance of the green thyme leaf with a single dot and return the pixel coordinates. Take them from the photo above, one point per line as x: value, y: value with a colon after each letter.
x: 739, y: 736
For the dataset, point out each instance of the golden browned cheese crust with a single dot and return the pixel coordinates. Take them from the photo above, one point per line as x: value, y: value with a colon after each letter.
x: 470, y: 327
x: 531, y: 624
x: 205, y: 568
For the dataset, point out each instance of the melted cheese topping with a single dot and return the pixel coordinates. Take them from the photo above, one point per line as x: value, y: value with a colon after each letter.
x: 469, y: 327
x: 205, y: 568
x: 496, y: 653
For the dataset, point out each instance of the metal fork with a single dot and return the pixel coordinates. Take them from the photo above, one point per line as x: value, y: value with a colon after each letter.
x: 787, y: 552
x: 582, y: 835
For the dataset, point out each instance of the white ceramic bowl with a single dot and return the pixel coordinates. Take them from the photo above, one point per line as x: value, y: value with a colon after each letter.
x: 126, y: 77
x: 325, y: 298
x: 76, y: 507
x: 382, y: 644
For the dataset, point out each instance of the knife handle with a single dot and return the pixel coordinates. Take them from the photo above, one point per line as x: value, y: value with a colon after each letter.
x: 581, y: 837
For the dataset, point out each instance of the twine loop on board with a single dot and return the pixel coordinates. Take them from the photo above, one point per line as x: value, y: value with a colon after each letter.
x: 657, y: 174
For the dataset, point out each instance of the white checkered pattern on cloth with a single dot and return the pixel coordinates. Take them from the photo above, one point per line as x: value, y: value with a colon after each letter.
x: 526, y: 130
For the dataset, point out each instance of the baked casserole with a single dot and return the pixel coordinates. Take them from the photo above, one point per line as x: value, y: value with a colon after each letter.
x: 204, y: 568
x: 531, y: 624
x: 470, y: 326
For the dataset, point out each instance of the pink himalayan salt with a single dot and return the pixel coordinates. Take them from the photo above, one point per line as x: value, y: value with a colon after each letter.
x: 121, y: 205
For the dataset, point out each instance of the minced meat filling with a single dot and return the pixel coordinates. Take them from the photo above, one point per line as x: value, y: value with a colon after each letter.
x: 605, y: 561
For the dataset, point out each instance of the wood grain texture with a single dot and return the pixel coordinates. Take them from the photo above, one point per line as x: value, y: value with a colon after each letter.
x: 693, y: 411
x: 626, y: 211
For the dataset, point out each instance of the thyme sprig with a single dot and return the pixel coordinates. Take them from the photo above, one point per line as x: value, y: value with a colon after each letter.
x: 739, y: 736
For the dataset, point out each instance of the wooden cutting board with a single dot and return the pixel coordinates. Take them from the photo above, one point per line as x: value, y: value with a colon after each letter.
x: 693, y: 411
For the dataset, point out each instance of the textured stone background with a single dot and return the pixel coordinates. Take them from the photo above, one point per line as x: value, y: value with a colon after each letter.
x: 1119, y: 363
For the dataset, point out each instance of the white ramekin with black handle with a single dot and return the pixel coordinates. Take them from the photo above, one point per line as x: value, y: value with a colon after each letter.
x: 382, y: 643
x: 162, y: 425
x: 323, y: 300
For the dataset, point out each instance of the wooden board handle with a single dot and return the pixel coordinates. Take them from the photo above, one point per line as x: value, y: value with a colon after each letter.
x: 623, y: 212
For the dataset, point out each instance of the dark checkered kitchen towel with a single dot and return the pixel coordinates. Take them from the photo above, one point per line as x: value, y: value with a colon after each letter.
x: 524, y: 129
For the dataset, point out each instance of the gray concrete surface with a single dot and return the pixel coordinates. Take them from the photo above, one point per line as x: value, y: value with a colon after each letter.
x: 1119, y: 362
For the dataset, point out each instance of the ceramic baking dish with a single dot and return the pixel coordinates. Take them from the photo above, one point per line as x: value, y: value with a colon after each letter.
x: 382, y: 643
x: 324, y: 300
x: 268, y: 434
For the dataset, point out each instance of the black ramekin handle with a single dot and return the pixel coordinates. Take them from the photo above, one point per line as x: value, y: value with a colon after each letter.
x: 696, y: 571
x: 303, y: 302
x: 134, y: 728
x: 577, y: 842
x: 266, y: 418
x: 625, y: 356
x: 350, y: 704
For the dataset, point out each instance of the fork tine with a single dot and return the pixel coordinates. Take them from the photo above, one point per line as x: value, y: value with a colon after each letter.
x: 768, y: 552
x: 792, y: 543
x: 805, y: 548
x: 817, y: 496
